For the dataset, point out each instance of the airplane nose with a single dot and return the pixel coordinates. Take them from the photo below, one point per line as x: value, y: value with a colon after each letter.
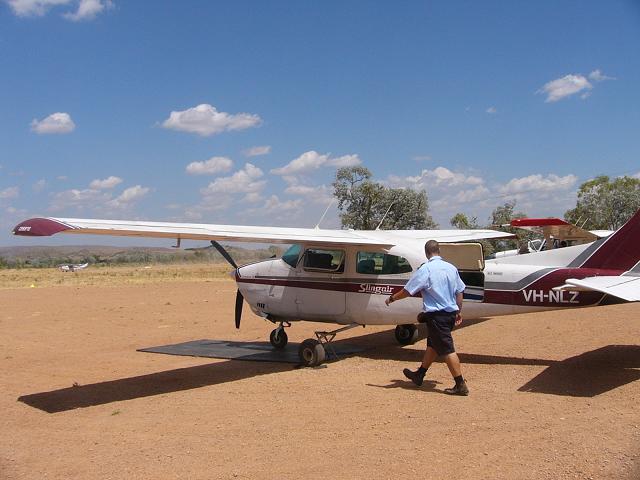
x: 234, y: 273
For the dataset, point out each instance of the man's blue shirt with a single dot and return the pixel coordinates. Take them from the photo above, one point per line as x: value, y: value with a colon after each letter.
x: 439, y: 282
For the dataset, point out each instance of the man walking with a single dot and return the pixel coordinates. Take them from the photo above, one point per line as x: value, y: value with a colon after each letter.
x: 441, y: 288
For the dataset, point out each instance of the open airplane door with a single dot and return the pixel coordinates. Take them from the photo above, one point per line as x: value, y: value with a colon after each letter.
x: 469, y: 260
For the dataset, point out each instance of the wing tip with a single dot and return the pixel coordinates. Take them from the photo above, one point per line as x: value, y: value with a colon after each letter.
x: 39, y: 227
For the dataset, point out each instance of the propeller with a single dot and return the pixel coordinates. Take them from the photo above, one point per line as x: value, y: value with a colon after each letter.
x: 239, y: 297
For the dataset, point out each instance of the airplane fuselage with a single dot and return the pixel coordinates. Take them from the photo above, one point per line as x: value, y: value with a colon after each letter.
x: 288, y: 290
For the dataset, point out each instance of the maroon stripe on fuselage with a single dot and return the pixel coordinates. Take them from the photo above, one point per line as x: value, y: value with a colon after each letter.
x: 540, y: 293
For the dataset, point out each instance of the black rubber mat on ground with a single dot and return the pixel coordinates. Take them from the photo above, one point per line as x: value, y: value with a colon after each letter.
x: 254, y: 351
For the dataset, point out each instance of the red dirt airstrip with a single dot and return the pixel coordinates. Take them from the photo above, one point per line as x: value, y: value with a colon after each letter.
x: 553, y: 395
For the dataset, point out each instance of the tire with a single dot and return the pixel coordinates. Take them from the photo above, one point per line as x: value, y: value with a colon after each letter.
x: 281, y: 341
x: 311, y: 353
x: 406, y: 334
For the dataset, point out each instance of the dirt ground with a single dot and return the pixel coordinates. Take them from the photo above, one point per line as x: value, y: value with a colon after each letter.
x: 553, y: 395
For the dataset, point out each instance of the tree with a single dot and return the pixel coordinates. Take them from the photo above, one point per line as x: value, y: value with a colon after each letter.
x: 603, y: 204
x: 363, y: 203
x: 462, y: 222
x: 501, y: 219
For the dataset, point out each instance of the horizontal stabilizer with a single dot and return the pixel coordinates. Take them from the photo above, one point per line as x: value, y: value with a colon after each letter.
x: 624, y: 287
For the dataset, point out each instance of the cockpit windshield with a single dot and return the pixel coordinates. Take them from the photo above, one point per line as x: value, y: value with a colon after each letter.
x: 291, y: 255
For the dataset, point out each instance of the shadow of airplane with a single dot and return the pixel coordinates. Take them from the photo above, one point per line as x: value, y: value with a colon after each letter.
x: 589, y: 374
x: 148, y: 385
x: 586, y: 375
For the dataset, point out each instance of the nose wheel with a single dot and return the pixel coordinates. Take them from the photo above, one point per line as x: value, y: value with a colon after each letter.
x: 278, y: 336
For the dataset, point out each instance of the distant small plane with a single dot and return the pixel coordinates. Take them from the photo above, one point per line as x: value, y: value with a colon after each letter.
x: 555, y: 233
x: 72, y: 267
x: 344, y: 276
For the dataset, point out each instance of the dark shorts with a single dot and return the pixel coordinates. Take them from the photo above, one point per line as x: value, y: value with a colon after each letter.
x: 439, y: 326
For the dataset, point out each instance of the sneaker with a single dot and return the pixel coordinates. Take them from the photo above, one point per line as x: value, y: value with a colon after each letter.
x: 461, y: 390
x: 415, y: 377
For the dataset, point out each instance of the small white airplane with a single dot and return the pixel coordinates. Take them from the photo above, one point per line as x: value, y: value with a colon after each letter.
x: 344, y: 276
x: 555, y: 233
x: 72, y: 267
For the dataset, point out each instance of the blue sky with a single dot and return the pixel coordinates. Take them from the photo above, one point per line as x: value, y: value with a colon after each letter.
x: 476, y: 102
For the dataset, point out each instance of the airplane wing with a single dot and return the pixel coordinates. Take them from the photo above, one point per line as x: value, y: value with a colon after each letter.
x: 242, y: 233
x: 624, y: 287
x: 557, y: 228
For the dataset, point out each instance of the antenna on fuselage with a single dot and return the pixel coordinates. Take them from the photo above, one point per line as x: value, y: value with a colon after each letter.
x: 385, y: 215
x: 317, y: 227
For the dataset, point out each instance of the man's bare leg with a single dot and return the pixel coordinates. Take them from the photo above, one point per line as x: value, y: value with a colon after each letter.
x: 429, y: 357
x: 453, y: 362
x: 460, y: 388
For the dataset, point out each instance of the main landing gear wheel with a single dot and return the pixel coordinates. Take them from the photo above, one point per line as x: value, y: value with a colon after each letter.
x: 278, y: 338
x: 406, y: 334
x: 311, y: 353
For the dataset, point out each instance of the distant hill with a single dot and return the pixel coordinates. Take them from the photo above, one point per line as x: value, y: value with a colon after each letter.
x: 43, y: 256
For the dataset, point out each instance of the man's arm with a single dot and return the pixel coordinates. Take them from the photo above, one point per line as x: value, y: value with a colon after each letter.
x: 459, y: 298
x: 397, y: 296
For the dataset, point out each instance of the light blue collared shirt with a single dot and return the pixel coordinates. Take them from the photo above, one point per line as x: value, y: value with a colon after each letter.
x: 439, y: 282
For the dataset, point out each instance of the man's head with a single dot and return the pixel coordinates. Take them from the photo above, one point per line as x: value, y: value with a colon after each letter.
x: 431, y: 248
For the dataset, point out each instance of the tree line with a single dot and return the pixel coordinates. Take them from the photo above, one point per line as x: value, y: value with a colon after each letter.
x: 603, y: 203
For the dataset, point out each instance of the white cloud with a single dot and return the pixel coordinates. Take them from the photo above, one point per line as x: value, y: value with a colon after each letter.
x: 105, y: 184
x: 564, y: 87
x: 79, y: 198
x: 39, y: 185
x: 97, y: 197
x: 571, y: 84
x: 242, y: 181
x: 313, y: 160
x: 34, y: 8
x: 320, y: 194
x: 211, y: 166
x: 206, y: 120
x: 128, y: 197
x: 88, y: 10
x: 491, y: 110
x: 58, y: 122
x: 253, y: 197
x: 256, y: 151
x: 62, y: 178
x: 539, y: 183
x: 598, y: 76
x: 8, y: 193
x: 438, y: 177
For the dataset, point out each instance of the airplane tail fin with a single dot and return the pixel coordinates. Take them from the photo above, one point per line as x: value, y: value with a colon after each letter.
x: 619, y: 251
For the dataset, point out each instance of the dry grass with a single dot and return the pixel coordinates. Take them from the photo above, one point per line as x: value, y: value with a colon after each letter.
x: 113, y: 275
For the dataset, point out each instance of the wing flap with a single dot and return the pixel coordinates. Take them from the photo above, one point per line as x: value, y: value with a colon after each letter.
x: 624, y: 287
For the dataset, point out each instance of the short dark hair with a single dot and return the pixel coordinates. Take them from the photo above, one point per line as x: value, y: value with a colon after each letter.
x: 431, y: 247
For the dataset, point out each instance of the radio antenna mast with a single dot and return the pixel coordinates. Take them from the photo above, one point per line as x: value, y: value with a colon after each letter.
x: 385, y: 215
x: 317, y: 227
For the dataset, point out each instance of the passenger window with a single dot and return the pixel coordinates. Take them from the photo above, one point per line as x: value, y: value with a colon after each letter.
x: 324, y: 260
x: 290, y: 257
x: 376, y: 263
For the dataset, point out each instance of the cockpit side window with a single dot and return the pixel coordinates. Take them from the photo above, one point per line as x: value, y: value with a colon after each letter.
x: 378, y: 263
x: 320, y: 260
x: 290, y: 257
